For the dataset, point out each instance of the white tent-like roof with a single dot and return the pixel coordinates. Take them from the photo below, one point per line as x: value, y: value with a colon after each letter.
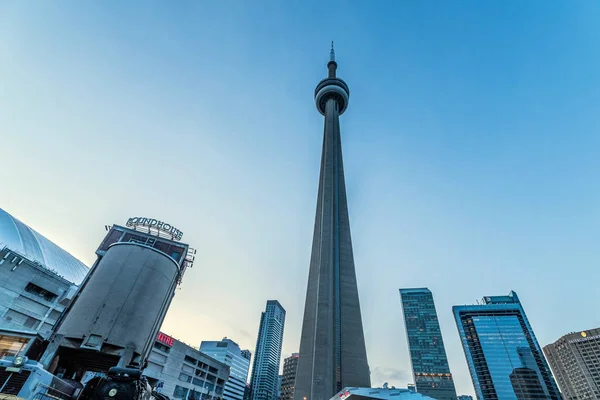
x: 21, y: 239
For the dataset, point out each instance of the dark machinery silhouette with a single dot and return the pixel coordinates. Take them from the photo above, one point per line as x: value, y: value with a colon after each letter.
x: 120, y: 384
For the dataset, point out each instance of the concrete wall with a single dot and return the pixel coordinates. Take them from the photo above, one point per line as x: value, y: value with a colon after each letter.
x: 28, y: 311
x: 125, y: 299
x: 169, y: 365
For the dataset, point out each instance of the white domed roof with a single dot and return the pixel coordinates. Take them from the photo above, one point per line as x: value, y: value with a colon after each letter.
x: 20, y: 238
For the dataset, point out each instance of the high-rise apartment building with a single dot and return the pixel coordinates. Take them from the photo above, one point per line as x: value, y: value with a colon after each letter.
x: 267, y: 356
x: 430, y: 367
x: 503, y: 354
x: 228, y: 352
x: 246, y: 354
x: 288, y: 380
x: 332, y: 344
x: 575, y: 361
x: 248, y: 392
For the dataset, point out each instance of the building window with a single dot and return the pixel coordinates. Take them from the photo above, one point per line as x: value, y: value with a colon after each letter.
x: 197, y: 382
x: 54, y: 314
x: 180, y: 392
x: 38, y: 291
x: 113, y: 237
x: 131, y: 238
x: 158, y: 358
x: 162, y: 347
x: 162, y: 246
x: 11, y: 346
x: 154, y: 368
x: 191, y: 360
x: 185, y: 378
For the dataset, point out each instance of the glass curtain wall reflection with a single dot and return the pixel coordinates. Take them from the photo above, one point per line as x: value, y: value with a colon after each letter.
x: 430, y: 367
x: 504, y: 357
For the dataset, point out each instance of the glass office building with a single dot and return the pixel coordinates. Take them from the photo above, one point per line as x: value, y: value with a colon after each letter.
x: 228, y: 352
x: 504, y: 357
x: 267, y: 357
x: 430, y: 367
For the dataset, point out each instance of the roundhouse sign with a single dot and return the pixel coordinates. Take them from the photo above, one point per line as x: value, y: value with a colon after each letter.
x: 151, y: 223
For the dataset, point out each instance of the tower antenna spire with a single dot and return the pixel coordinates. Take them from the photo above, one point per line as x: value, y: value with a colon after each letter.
x: 332, y: 344
x: 331, y: 65
x: 332, y: 53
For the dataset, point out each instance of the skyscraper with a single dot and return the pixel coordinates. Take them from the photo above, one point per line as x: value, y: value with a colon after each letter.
x: 430, y: 367
x: 332, y: 343
x: 504, y: 357
x: 265, y: 369
x: 288, y: 381
x: 228, y: 352
x: 575, y: 361
x: 279, y: 379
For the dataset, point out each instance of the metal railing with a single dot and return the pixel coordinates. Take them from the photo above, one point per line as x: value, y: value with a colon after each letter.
x: 45, y: 392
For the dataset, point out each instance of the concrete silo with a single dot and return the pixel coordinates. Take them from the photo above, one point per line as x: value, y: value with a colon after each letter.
x: 118, y: 311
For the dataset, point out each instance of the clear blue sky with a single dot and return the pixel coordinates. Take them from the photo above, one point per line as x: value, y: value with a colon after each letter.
x: 471, y: 150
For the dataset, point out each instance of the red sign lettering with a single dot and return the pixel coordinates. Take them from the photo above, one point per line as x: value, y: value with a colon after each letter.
x: 165, y: 339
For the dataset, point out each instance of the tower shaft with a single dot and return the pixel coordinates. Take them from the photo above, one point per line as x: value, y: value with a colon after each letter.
x: 332, y: 345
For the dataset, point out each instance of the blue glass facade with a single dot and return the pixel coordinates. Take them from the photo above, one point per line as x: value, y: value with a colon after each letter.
x: 504, y: 357
x: 228, y: 352
x: 265, y: 369
x: 430, y: 367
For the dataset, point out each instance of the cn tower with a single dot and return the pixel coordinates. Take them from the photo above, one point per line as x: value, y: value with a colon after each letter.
x: 332, y: 345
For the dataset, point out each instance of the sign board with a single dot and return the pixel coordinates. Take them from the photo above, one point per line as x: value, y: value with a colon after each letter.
x: 150, y: 223
x: 345, y: 395
x: 584, y: 338
x: 165, y: 339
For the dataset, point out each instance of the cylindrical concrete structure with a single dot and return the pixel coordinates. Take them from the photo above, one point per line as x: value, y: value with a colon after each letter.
x: 124, y: 301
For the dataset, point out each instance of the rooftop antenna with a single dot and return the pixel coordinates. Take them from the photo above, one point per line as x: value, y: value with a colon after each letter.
x: 332, y: 53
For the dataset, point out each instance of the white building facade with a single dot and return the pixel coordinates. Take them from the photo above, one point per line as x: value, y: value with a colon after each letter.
x: 182, y: 372
x: 38, y: 280
x: 228, y: 352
